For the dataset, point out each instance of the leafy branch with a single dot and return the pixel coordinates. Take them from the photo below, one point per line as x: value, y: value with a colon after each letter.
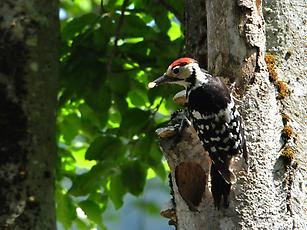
x: 116, y: 35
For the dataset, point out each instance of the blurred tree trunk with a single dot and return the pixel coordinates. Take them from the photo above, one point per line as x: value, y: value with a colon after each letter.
x: 28, y: 75
x: 270, y: 193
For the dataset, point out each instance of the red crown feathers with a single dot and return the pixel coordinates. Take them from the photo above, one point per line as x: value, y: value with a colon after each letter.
x: 182, y: 62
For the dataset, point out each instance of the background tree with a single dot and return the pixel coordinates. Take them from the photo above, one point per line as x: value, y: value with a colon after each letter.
x: 29, y: 47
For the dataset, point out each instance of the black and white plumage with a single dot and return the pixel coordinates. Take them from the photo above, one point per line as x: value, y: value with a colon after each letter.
x: 215, y: 119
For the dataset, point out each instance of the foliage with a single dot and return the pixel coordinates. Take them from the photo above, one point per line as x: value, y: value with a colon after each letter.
x: 107, y: 117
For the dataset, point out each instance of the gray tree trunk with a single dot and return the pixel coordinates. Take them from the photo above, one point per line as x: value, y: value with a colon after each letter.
x: 269, y: 194
x: 28, y: 72
x: 286, y: 41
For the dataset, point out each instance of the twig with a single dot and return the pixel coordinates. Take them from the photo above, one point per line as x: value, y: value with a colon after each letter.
x: 170, y: 8
x: 158, y: 106
x: 102, y: 10
x: 116, y: 34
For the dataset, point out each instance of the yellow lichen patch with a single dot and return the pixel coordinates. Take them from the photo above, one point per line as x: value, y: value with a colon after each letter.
x: 270, y: 62
x: 282, y: 89
x: 272, y: 73
x: 287, y: 132
x: 287, y: 154
x: 285, y: 118
x: 269, y: 59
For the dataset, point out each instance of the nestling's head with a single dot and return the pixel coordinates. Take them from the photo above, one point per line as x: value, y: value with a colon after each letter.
x: 182, y: 72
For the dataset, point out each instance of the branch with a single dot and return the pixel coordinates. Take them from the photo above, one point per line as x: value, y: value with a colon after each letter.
x: 189, y: 165
x: 116, y: 35
x: 170, y: 8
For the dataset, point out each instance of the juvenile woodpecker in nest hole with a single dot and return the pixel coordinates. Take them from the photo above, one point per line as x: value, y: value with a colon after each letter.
x: 215, y: 118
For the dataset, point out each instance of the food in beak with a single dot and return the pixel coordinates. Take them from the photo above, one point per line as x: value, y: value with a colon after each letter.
x: 152, y: 84
x: 158, y: 81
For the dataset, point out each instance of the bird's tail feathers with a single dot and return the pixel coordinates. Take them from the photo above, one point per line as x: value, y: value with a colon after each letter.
x: 220, y: 188
x: 221, y: 180
x: 222, y: 167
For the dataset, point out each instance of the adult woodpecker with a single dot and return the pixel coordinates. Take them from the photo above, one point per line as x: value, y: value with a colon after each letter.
x: 215, y: 118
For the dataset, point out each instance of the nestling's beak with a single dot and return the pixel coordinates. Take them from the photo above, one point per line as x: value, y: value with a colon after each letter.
x: 163, y: 79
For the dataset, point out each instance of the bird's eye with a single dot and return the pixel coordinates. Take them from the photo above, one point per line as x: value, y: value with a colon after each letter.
x: 176, y: 70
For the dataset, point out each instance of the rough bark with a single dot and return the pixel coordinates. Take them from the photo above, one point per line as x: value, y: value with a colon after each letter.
x: 270, y: 194
x: 28, y: 73
x: 195, y: 30
x: 286, y: 40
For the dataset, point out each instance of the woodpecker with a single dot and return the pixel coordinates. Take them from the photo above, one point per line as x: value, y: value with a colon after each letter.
x: 215, y: 118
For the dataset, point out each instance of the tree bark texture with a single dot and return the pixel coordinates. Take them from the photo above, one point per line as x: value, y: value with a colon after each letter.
x: 28, y: 75
x: 269, y: 193
x: 195, y: 30
x: 286, y: 43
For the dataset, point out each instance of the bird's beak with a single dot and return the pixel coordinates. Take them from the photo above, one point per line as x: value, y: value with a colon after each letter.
x: 163, y: 79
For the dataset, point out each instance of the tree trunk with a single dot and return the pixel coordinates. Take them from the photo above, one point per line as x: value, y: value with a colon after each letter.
x: 269, y: 194
x: 286, y: 42
x: 28, y: 73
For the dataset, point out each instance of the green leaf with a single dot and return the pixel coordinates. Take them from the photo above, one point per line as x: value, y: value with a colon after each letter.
x: 155, y: 161
x: 142, y: 147
x: 112, y: 4
x: 149, y: 206
x: 84, y: 184
x: 119, y: 83
x: 174, y: 32
x: 92, y: 210
x: 117, y: 191
x: 148, y: 151
x: 101, y: 35
x: 89, y: 117
x: 81, y: 74
x: 136, y: 98
x: 84, y: 5
x: 66, y: 163
x: 159, y: 14
x: 134, y: 120
x: 77, y: 25
x: 162, y: 21
x: 138, y: 4
x: 105, y: 148
x: 81, y: 224
x: 100, y: 198
x: 99, y: 99
x: 121, y: 104
x: 133, y: 177
x: 70, y: 127
x: 66, y: 211
x: 90, y: 181
x: 134, y: 26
